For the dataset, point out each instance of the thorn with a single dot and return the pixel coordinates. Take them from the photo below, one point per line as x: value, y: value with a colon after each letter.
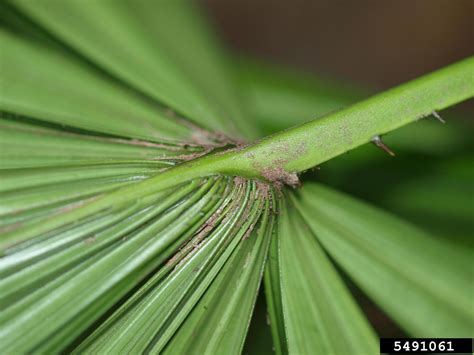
x: 438, y: 117
x: 378, y: 142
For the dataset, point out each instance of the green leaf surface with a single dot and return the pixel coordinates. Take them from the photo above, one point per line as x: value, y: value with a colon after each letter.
x: 44, y: 83
x: 273, y: 295
x: 453, y: 195
x: 119, y: 232
x: 296, y: 149
x: 422, y: 282
x: 34, y: 178
x: 98, y: 287
x: 29, y: 146
x: 320, y: 315
x: 142, y: 45
x: 148, y: 316
x: 15, y: 202
x: 219, y: 322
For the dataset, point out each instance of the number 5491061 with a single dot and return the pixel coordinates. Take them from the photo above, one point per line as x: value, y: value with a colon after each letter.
x: 423, y: 346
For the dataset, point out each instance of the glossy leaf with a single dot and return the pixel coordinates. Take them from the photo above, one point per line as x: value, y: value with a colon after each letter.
x: 96, y: 288
x: 219, y: 322
x: 135, y: 43
x: 148, y: 316
x: 319, y: 313
x: 273, y: 295
x: 120, y: 231
x: 61, y: 89
x: 30, y: 146
x: 419, y: 280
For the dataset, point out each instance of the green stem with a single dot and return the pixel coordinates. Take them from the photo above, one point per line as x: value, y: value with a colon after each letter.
x: 301, y: 147
x: 305, y: 146
x: 317, y: 141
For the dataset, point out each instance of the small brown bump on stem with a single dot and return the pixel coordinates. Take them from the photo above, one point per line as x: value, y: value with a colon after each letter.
x: 378, y: 142
x: 438, y: 117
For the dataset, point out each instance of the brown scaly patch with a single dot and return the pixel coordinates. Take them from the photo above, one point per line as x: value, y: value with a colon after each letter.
x: 204, y: 138
x: 280, y: 177
x: 239, y: 181
x: 201, y: 137
x: 263, y: 190
x: 186, y: 157
x: 251, y: 227
x: 275, y: 172
x: 189, y: 248
x: 277, y: 175
x: 207, y: 141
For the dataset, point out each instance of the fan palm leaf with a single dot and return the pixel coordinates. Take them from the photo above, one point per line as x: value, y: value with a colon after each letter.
x: 138, y: 213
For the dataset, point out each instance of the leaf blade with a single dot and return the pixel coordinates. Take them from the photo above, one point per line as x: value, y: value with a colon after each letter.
x: 141, y: 49
x: 432, y: 296
x: 320, y: 314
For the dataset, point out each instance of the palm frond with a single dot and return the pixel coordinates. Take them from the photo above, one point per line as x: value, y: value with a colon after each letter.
x: 422, y: 286
x: 135, y: 218
x: 319, y: 313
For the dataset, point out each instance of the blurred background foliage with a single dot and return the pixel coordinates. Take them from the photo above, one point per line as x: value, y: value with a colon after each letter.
x: 298, y: 62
